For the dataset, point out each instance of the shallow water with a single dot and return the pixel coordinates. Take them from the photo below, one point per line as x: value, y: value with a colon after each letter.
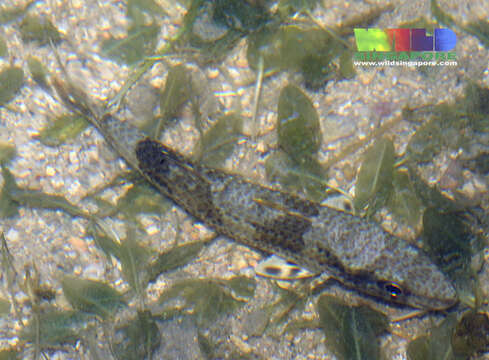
x: 349, y: 111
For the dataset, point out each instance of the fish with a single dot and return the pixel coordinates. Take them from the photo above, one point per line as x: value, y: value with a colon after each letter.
x: 353, y: 250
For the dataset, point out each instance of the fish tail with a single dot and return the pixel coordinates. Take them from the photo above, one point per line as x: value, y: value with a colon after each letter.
x: 121, y: 135
x: 76, y: 99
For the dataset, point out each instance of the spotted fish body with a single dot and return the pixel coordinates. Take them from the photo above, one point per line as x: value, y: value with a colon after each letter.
x: 354, y: 251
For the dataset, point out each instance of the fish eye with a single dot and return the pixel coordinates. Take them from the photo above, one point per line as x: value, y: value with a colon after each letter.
x: 393, y: 289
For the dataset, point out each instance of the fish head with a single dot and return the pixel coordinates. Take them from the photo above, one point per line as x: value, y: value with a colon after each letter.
x: 414, y: 281
x: 363, y: 256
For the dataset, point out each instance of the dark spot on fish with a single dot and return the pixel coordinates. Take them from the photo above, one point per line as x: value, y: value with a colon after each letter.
x: 324, y: 257
x: 294, y: 272
x: 273, y: 271
x: 284, y: 232
x: 154, y: 162
x: 154, y: 157
x: 174, y: 175
x: 347, y: 206
x: 301, y: 206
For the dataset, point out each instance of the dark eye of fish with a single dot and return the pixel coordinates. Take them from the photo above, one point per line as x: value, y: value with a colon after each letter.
x: 394, y: 290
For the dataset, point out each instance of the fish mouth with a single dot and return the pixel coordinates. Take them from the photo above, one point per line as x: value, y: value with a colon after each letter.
x: 440, y: 303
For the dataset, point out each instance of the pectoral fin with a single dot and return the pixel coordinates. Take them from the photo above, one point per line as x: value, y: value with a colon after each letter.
x: 275, y: 267
x: 341, y: 202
